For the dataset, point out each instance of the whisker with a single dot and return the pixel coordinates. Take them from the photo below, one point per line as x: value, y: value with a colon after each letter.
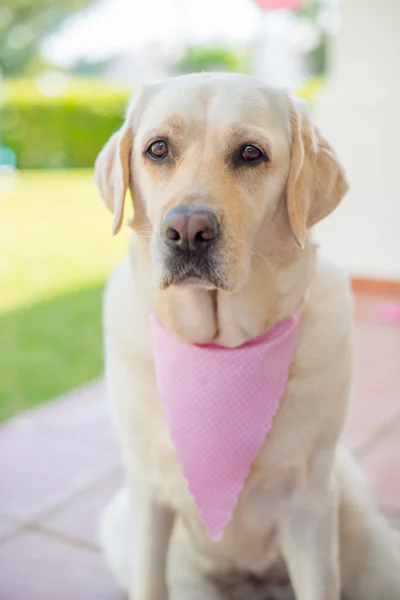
x: 254, y: 251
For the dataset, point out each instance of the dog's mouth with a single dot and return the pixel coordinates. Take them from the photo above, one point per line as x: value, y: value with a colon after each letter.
x: 196, y: 274
x: 191, y: 281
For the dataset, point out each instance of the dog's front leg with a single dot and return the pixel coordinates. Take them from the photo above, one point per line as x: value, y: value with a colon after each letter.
x: 152, y: 534
x: 310, y: 547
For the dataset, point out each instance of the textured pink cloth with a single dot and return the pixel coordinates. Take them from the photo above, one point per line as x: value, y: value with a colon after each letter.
x: 219, y: 404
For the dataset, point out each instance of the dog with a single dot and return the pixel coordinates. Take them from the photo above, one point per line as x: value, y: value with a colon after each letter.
x: 227, y: 178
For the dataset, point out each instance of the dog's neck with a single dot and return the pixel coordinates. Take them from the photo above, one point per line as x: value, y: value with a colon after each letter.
x: 272, y: 291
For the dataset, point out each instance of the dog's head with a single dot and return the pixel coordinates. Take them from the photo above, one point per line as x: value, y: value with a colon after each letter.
x: 219, y: 168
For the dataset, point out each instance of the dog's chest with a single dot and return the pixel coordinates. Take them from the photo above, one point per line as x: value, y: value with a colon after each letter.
x: 250, y: 542
x: 265, y: 495
x: 268, y: 487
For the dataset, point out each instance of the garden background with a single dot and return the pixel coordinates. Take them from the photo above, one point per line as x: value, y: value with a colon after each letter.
x: 55, y: 243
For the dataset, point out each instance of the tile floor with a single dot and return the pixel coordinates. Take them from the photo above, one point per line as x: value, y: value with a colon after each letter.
x: 60, y: 464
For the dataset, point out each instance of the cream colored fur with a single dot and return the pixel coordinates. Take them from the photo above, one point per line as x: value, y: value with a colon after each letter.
x: 304, y: 515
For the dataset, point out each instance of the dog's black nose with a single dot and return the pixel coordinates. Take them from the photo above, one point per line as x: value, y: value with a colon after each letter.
x: 190, y: 229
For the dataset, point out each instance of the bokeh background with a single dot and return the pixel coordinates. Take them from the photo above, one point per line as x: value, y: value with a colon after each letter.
x: 67, y: 70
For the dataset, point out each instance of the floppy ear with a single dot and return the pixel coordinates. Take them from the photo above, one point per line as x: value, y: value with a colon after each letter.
x: 316, y: 182
x: 112, y: 172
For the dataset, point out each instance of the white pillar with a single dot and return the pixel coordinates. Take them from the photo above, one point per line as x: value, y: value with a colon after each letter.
x: 359, y: 113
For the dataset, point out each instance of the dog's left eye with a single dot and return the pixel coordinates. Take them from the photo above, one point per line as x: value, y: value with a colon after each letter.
x: 158, y: 149
x: 250, y: 153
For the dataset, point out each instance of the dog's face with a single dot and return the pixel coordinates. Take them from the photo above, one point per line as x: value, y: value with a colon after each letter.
x: 218, y: 167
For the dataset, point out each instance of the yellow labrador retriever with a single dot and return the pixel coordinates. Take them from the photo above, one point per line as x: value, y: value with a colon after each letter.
x: 245, y: 165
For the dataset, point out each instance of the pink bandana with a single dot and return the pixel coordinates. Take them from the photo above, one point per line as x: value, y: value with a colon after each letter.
x: 219, y: 404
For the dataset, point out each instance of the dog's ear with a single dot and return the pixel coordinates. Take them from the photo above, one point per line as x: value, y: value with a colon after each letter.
x: 316, y: 182
x: 113, y: 172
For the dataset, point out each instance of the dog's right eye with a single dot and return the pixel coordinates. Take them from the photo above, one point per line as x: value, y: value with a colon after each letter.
x: 157, y: 150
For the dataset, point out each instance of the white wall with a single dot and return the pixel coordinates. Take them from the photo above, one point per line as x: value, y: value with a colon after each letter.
x: 359, y: 112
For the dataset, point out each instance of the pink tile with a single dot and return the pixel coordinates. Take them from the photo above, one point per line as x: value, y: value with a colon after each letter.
x: 376, y: 398
x: 7, y: 527
x: 394, y: 521
x: 83, y: 412
x: 367, y: 415
x: 378, y: 355
x: 382, y: 465
x: 368, y: 307
x: 79, y: 517
x: 40, y: 467
x: 36, y: 567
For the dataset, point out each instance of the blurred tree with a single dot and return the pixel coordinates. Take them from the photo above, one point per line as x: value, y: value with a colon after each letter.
x: 23, y: 26
x: 310, y: 10
x: 316, y: 58
x: 211, y: 58
x: 89, y: 67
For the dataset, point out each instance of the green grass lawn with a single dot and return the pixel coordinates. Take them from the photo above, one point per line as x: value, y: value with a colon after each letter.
x: 56, y: 251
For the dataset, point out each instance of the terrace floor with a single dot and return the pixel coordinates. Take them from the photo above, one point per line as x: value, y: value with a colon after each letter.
x: 60, y: 464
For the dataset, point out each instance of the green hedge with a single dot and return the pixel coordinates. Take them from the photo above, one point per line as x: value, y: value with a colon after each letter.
x: 61, y: 134
x: 67, y: 130
x: 63, y: 131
